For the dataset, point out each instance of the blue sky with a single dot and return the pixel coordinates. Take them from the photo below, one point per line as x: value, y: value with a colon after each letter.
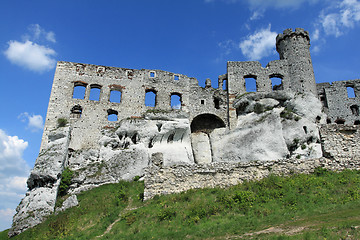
x: 191, y: 37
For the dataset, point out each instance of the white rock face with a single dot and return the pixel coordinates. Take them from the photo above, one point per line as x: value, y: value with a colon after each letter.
x: 201, y: 147
x: 43, y: 183
x: 68, y: 203
x: 271, y: 127
x: 125, y: 152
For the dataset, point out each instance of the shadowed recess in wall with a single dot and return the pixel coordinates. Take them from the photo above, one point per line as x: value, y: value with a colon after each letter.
x: 206, y: 122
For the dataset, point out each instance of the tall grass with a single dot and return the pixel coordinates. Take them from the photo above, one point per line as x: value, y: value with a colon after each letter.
x: 324, y: 199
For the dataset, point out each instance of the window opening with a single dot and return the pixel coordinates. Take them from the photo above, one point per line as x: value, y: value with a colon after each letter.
x: 305, y: 129
x: 339, y: 121
x: 350, y: 92
x: 95, y: 92
x: 150, y: 98
x: 328, y: 120
x: 112, y: 115
x: 152, y: 74
x: 276, y: 82
x: 175, y: 101
x: 355, y: 110
x: 115, y: 96
x: 176, y: 77
x: 202, y: 102
x: 357, y: 122
x: 224, y: 87
x: 250, y: 83
x: 79, y: 90
x: 76, y: 111
x: 216, y: 102
x: 171, y: 138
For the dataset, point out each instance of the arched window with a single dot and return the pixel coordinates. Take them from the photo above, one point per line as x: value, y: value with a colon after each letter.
x: 350, y: 92
x: 115, y: 96
x: 112, y: 115
x: 250, y: 83
x: 79, y: 90
x: 355, y: 110
x: 76, y: 111
x: 95, y: 92
x: 225, y: 84
x: 150, y: 98
x: 216, y: 102
x: 276, y: 82
x: 175, y: 101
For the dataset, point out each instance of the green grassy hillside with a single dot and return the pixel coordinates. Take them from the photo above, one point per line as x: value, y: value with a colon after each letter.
x: 323, y: 205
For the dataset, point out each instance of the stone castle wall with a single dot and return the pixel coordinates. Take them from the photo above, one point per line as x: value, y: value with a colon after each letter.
x: 339, y: 145
x: 341, y: 101
x: 196, y: 143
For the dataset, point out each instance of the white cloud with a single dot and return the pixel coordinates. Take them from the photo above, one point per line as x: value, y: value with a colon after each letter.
x: 6, y: 218
x: 13, y: 174
x: 35, y: 122
x: 38, y: 33
x: 259, y: 45
x: 30, y: 55
x: 339, y: 18
x: 257, y: 14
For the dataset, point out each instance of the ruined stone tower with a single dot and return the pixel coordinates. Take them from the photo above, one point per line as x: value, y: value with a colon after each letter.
x: 293, y: 46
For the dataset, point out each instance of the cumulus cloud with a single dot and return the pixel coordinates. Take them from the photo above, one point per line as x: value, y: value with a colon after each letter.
x: 29, y: 53
x: 259, y: 44
x: 6, y: 218
x: 35, y: 122
x: 335, y: 20
x: 13, y: 174
x: 339, y: 17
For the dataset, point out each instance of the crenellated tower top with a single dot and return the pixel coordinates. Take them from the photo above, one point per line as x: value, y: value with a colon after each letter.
x: 294, y: 47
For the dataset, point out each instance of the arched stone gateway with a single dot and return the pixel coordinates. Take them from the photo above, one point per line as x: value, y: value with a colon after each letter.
x: 201, y: 127
x: 206, y: 123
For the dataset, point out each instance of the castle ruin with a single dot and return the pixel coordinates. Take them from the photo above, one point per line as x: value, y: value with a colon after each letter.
x: 100, y: 125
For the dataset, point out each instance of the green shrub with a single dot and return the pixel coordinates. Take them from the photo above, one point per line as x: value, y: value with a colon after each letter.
x: 166, y: 214
x: 258, y: 108
x: 65, y: 183
x: 136, y: 178
x: 62, y: 122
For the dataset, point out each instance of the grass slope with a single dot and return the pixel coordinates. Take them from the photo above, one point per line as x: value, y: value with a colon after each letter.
x: 323, y: 205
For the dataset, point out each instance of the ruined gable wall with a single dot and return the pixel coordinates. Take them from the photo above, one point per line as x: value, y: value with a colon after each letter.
x: 340, y: 141
x: 336, y: 103
x: 133, y: 84
x: 238, y: 71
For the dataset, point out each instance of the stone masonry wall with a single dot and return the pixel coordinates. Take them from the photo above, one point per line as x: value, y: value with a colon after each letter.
x: 339, y: 107
x: 179, y: 178
x: 340, y: 141
x: 339, y: 146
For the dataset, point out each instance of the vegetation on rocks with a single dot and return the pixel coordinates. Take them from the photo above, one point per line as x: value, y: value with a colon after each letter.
x: 322, y: 205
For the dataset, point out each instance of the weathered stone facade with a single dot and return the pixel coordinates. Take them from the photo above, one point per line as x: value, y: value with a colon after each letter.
x: 341, y: 101
x: 210, y: 137
x: 340, y: 152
